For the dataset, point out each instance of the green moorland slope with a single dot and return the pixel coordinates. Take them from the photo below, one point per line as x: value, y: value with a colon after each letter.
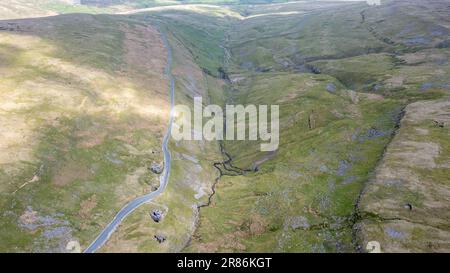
x: 85, y: 106
x: 84, y: 109
x: 196, y: 59
x: 404, y: 205
x: 335, y: 123
x: 341, y: 101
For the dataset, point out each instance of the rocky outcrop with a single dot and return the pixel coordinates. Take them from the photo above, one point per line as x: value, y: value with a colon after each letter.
x: 160, y: 238
x: 156, y: 215
x: 156, y: 168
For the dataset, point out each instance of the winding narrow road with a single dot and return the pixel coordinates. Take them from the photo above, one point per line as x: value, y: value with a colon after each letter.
x: 164, y: 178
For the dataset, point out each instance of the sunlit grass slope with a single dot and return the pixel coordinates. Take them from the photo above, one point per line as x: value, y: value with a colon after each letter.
x: 84, y: 105
x: 192, y: 174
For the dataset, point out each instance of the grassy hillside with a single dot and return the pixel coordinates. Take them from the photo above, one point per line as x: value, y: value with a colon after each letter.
x: 193, y: 173
x: 303, y: 197
x: 10, y: 9
x: 404, y: 206
x: 85, y: 103
x: 81, y: 125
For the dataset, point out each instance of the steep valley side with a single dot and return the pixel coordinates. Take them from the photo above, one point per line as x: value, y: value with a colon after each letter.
x: 364, y: 113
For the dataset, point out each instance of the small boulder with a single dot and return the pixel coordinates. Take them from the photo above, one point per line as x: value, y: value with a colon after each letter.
x: 439, y: 124
x: 331, y: 87
x: 160, y: 238
x: 324, y: 169
x: 297, y: 222
x: 408, y: 206
x: 156, y: 168
x: 314, y: 69
x: 377, y: 87
x: 156, y: 215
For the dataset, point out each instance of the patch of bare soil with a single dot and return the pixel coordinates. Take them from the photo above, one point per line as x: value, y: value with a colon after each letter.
x: 87, y: 206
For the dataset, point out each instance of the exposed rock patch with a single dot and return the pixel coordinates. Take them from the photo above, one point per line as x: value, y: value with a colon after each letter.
x: 160, y: 238
x: 156, y: 168
x: 156, y: 215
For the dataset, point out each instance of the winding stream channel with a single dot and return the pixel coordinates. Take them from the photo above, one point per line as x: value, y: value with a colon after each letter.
x: 163, y: 179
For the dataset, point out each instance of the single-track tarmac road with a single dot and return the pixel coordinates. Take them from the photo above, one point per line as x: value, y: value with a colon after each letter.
x: 164, y: 178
